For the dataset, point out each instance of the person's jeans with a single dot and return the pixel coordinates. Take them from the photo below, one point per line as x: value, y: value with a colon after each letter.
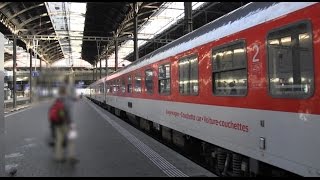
x: 61, y: 132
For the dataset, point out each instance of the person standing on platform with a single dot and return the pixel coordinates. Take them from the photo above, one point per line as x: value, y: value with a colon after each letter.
x: 63, y: 127
x: 70, y: 100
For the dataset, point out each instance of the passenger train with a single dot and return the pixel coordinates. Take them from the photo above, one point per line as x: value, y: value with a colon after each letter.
x: 243, y: 91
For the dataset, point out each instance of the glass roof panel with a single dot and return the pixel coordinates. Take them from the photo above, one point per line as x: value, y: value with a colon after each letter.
x: 167, y: 15
x: 23, y: 57
x: 74, y: 63
x: 68, y: 19
x: 111, y: 63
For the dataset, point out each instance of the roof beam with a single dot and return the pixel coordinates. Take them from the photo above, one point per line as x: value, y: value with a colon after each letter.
x: 4, y: 4
x: 205, y: 9
x: 20, y: 12
x: 143, y: 13
x: 9, y: 25
x: 131, y: 23
x: 55, y: 55
x: 52, y: 55
x: 51, y: 50
x: 46, y: 49
x: 83, y: 38
x: 44, y: 30
x: 30, y: 20
x: 153, y: 3
x: 150, y: 7
x: 128, y: 18
x: 35, y: 25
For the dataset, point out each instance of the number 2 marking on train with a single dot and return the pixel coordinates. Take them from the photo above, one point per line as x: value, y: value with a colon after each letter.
x: 256, y: 49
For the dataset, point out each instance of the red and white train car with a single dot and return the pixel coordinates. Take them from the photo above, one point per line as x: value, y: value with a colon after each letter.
x: 247, y: 85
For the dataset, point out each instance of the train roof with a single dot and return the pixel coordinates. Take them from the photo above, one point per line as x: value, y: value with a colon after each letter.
x: 240, y: 19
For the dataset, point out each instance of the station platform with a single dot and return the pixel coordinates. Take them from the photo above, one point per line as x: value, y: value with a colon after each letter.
x: 107, y: 146
x: 21, y: 101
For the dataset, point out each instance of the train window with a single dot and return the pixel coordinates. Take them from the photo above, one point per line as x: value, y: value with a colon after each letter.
x: 290, y: 61
x: 137, y: 83
x: 123, y: 85
x: 149, y: 81
x: 230, y: 70
x: 107, y: 87
x: 129, y: 89
x: 113, y: 83
x: 118, y: 84
x: 110, y: 86
x: 164, y: 79
x: 188, y: 75
x: 101, y: 88
x: 115, y: 86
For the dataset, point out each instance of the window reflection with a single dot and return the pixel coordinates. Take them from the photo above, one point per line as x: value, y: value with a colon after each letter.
x: 164, y: 79
x: 188, y: 75
x: 149, y: 81
x: 137, y: 83
x: 230, y: 70
x: 290, y: 61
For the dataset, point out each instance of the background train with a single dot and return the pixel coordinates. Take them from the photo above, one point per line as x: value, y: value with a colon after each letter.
x: 242, y: 92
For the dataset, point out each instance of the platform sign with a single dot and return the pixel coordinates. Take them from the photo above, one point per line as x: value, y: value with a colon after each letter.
x: 35, y: 74
x: 26, y: 87
x: 80, y: 84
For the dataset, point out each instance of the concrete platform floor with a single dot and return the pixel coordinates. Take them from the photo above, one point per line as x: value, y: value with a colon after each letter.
x: 106, y: 146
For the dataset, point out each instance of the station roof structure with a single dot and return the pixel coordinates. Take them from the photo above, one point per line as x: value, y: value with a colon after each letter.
x: 78, y: 30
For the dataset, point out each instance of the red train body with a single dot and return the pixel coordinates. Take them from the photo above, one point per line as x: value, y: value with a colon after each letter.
x: 273, y: 70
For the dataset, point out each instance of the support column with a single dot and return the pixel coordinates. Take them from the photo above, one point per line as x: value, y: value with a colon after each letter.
x: 99, y: 60
x: 188, y: 17
x: 106, y: 65
x: 2, y: 124
x: 14, y: 56
x: 135, y: 34
x: 96, y: 71
x: 107, y: 68
x: 93, y: 74
x: 40, y: 64
x: 35, y: 46
x: 116, y: 54
x: 100, y: 65
x: 30, y: 76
